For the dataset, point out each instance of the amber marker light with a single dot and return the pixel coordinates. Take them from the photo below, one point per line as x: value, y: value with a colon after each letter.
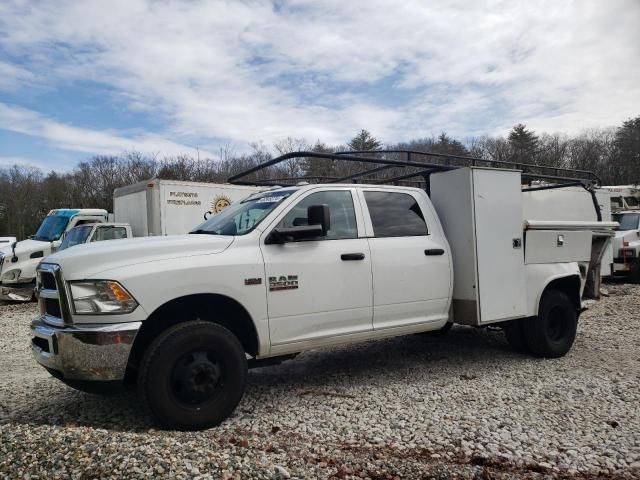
x: 118, y: 292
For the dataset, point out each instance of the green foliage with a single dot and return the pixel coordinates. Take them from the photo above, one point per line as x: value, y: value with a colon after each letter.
x: 523, y: 143
x: 364, y: 141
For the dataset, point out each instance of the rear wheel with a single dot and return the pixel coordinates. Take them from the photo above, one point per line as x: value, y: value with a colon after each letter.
x: 193, y: 375
x: 551, y: 334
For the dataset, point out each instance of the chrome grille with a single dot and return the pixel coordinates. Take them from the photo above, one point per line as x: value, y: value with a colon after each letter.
x: 52, y: 296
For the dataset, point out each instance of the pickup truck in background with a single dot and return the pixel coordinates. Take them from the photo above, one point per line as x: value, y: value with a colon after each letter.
x: 19, y: 260
x: 95, y: 232
x: 300, y: 267
x: 626, y: 245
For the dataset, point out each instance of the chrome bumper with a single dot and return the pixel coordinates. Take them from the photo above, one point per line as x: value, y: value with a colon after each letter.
x: 18, y: 293
x: 84, y: 352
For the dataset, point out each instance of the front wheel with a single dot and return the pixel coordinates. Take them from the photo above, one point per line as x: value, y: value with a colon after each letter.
x: 634, y: 273
x: 193, y: 375
x: 551, y: 334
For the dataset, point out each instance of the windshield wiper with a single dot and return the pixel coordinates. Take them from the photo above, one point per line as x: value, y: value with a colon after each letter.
x: 200, y: 230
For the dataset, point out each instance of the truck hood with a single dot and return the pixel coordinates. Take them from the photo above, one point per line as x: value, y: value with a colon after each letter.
x: 87, y: 260
x: 27, y: 247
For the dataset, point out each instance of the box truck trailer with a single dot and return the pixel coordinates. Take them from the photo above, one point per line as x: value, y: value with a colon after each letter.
x: 170, y: 207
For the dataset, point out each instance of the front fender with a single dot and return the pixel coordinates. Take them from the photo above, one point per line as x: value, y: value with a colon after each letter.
x: 156, y: 283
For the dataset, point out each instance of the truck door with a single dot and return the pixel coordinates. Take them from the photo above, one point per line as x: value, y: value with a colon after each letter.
x: 322, y: 287
x: 410, y: 264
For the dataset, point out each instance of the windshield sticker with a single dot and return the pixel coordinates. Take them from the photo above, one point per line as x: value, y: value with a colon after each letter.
x: 270, y: 199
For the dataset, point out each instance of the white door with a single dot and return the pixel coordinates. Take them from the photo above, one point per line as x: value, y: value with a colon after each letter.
x: 411, y: 271
x: 319, y: 288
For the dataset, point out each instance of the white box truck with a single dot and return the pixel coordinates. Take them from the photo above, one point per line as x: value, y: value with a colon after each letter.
x: 170, y: 207
x: 307, y: 266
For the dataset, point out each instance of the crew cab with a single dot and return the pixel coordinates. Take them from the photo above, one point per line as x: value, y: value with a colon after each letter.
x: 301, y: 267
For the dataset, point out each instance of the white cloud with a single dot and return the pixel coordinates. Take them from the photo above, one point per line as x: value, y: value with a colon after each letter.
x: 72, y: 138
x: 236, y: 71
x: 10, y: 161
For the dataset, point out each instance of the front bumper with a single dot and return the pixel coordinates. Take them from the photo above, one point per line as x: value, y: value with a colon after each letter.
x: 18, y: 292
x: 84, y: 352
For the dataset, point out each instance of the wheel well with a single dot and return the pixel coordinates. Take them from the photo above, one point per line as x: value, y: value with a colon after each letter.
x: 220, y: 309
x: 569, y: 285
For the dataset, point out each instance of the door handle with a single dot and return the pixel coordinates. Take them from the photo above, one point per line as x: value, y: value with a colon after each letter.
x: 352, y: 256
x: 434, y: 251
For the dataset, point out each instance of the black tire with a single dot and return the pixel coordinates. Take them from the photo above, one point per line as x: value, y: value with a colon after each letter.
x: 514, y: 332
x: 193, y: 375
x: 634, y: 273
x: 551, y: 334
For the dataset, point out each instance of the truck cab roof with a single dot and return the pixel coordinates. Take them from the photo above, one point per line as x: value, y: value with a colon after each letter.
x: 70, y: 212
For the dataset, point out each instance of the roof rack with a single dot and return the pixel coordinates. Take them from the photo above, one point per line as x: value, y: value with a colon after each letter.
x: 418, y: 166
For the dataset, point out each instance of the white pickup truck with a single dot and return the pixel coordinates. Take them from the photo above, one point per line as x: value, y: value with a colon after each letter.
x: 95, y: 232
x: 308, y: 266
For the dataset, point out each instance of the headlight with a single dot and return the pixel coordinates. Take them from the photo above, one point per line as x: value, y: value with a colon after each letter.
x: 11, y: 275
x: 101, y: 296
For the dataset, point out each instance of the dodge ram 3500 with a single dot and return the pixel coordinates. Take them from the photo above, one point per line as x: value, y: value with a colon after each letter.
x: 307, y: 266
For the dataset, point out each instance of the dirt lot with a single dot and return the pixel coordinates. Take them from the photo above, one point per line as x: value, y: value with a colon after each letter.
x: 409, y: 407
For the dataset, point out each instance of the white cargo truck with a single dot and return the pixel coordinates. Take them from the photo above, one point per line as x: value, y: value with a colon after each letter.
x: 19, y: 260
x: 306, y: 266
x: 624, y: 197
x: 626, y: 245
x: 170, y: 207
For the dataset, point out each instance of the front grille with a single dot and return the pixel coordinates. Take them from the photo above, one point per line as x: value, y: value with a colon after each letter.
x: 52, y: 295
x: 52, y: 307
x: 48, y: 280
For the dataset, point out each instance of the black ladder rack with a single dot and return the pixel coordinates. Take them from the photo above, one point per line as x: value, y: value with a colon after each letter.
x: 418, y: 165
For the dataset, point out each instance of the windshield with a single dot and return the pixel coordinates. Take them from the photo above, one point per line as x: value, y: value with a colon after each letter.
x: 51, y: 228
x: 241, y: 218
x: 75, y: 236
x: 627, y: 221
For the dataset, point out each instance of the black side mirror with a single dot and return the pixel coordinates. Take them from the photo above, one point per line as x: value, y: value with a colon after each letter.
x: 319, y: 224
x: 319, y: 215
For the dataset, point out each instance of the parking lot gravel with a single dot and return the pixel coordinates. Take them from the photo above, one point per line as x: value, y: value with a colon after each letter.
x: 462, y: 406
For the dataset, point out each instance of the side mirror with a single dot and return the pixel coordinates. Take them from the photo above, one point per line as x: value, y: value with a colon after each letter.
x: 319, y: 224
x: 319, y: 215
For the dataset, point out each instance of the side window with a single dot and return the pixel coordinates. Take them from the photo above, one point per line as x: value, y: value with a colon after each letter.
x: 395, y: 214
x: 109, y: 233
x: 342, y: 213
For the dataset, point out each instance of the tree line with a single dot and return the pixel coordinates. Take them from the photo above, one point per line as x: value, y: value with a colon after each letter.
x: 28, y: 193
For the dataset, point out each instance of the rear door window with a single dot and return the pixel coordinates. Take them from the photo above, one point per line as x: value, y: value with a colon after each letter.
x: 109, y: 233
x: 395, y: 214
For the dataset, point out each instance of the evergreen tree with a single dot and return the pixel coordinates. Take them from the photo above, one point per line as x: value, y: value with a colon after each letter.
x: 626, y: 157
x: 523, y: 143
x: 364, y: 141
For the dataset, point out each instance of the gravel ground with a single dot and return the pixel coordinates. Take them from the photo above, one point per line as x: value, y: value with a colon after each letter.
x: 462, y: 406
